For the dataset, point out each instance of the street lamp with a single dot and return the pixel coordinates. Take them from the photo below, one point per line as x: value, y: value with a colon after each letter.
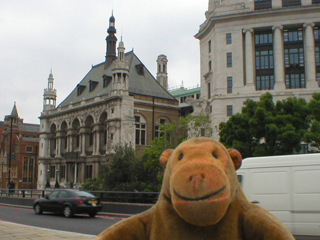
x: 57, y: 184
x: 10, y: 151
x: 48, y: 183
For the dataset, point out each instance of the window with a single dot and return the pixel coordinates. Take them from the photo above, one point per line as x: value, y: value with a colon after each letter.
x: 292, y: 35
x: 106, y: 80
x: 157, y: 127
x: 92, y: 85
x: 263, y: 38
x: 229, y: 59
x: 262, y: 4
x: 88, y: 171
x: 229, y: 84
x: 210, y: 66
x: 29, y: 149
x: 265, y: 82
x: 293, y: 57
x: 295, y: 80
x: 291, y: 3
x: 315, y: 1
x: 80, y: 89
x: 62, y: 172
x: 140, y: 130
x: 317, y: 56
x: 209, y: 46
x: 228, y: 38
x: 52, y: 171
x: 28, y: 170
x: 229, y: 110
x: 209, y: 89
x: 264, y: 59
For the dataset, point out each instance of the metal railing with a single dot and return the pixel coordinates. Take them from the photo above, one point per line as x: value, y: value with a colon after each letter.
x: 106, y: 196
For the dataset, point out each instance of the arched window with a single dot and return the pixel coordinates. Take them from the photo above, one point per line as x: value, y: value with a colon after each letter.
x: 52, y: 137
x: 141, y: 129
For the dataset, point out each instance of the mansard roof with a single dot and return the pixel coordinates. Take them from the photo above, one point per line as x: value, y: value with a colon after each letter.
x: 141, y: 82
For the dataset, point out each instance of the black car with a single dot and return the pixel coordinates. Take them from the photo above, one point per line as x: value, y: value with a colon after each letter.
x: 68, y: 202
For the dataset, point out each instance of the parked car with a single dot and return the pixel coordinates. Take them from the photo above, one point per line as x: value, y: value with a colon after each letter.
x: 68, y: 202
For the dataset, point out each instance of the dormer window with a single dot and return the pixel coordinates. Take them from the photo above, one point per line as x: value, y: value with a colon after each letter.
x: 140, y: 69
x: 80, y: 89
x: 92, y: 85
x: 106, y: 80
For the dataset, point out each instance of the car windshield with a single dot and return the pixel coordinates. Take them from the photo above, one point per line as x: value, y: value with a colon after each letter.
x: 84, y: 194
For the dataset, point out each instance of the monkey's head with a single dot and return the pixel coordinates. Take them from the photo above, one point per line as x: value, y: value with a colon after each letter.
x: 200, y: 179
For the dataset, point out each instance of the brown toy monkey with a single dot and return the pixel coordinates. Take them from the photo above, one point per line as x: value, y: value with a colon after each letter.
x: 200, y: 198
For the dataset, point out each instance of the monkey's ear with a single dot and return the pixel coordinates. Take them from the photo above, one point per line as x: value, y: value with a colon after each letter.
x: 236, y: 157
x: 165, y: 157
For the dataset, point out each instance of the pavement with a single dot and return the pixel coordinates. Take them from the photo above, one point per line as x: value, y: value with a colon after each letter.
x: 14, y: 231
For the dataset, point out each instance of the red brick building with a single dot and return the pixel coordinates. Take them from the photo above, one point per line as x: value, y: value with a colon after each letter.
x: 21, y: 165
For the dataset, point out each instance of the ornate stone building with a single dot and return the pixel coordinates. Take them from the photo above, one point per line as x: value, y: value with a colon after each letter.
x: 118, y: 101
x: 252, y: 47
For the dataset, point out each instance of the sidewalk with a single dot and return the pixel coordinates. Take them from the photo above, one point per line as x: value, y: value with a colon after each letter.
x: 13, y: 231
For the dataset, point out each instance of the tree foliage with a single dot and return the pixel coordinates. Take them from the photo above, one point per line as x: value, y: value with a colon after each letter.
x: 125, y: 172
x: 313, y: 135
x: 264, y: 128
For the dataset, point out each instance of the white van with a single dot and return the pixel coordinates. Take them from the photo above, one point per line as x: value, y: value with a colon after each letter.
x: 287, y: 186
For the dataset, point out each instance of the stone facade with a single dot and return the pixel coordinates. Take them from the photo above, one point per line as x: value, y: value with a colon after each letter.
x: 117, y: 102
x: 249, y: 48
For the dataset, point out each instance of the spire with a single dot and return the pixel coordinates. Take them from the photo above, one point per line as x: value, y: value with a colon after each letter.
x: 14, y: 112
x: 50, y: 94
x: 111, y: 42
x: 121, y: 50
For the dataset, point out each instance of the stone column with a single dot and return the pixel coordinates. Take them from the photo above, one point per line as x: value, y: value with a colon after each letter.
x: 249, y: 59
x: 310, y: 57
x: 58, y: 146
x: 278, y: 55
x: 96, y: 140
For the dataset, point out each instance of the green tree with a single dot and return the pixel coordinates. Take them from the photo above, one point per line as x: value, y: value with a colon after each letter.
x: 264, y: 128
x: 171, y: 135
x: 121, y: 171
x: 313, y: 135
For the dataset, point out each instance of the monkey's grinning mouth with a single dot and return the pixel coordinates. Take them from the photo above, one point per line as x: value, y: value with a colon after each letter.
x: 201, y: 198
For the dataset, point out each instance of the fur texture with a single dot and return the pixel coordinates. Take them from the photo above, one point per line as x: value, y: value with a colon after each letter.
x: 200, y: 198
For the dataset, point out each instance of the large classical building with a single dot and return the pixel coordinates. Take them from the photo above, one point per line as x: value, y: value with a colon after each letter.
x: 118, y: 101
x: 18, y: 152
x: 252, y: 47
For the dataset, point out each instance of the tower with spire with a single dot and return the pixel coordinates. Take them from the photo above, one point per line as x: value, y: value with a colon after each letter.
x: 120, y: 73
x: 50, y: 95
x: 162, y: 74
x: 111, y: 42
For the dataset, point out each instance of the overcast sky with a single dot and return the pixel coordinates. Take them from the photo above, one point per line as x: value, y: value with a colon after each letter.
x: 69, y: 37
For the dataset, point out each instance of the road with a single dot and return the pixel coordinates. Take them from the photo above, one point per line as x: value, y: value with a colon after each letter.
x: 78, y: 224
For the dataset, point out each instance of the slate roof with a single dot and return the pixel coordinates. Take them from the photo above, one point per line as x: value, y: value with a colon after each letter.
x: 144, y: 84
x: 29, y: 127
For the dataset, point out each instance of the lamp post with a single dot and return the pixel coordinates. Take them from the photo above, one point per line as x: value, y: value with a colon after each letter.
x: 48, y: 183
x: 10, y: 152
x: 57, y: 184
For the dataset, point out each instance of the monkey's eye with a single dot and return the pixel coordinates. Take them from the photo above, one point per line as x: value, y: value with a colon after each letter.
x: 180, y: 156
x: 215, y: 155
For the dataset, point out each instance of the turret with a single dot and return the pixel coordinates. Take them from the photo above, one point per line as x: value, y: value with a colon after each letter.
x: 120, y: 73
x: 50, y: 95
x: 162, y: 74
x: 111, y: 42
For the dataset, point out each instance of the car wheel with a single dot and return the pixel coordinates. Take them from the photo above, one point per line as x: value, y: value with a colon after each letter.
x: 92, y: 214
x: 67, y: 212
x: 38, y: 209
